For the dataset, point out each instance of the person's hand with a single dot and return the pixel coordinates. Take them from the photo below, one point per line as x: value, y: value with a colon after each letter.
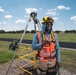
x: 45, y: 42
x: 58, y: 64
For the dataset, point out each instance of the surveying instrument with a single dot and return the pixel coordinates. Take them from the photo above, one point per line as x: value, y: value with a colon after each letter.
x: 33, y: 16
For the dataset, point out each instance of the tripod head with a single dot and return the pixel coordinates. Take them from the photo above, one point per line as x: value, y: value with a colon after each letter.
x: 33, y: 15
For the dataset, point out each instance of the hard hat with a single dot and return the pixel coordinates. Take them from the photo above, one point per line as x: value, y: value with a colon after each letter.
x: 47, y: 19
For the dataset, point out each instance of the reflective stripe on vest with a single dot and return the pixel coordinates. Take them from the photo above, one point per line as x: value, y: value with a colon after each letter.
x: 48, y: 51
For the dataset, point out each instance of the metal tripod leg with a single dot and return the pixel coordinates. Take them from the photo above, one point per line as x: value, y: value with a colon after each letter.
x: 17, y: 48
x: 39, y: 26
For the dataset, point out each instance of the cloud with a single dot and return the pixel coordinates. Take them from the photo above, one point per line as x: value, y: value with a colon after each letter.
x: 1, y: 10
x: 51, y: 13
x: 55, y: 18
x: 74, y: 22
x: 29, y: 10
x: 26, y: 16
x: 60, y: 23
x: 0, y: 23
x: 52, y: 9
x: 20, y: 21
x: 61, y: 7
x: 8, y: 16
x: 4, y: 22
x: 73, y: 18
x: 40, y: 8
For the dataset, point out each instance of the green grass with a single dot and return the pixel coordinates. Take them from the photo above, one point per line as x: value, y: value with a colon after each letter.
x: 68, y: 57
x: 17, y: 36
x: 5, y: 56
x: 67, y: 37
x: 5, y: 53
x: 68, y: 60
x: 63, y: 37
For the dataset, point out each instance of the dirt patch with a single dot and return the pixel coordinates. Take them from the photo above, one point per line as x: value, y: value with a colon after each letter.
x: 14, y: 69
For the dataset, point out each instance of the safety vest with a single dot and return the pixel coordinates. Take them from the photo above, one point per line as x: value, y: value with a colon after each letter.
x: 48, y: 52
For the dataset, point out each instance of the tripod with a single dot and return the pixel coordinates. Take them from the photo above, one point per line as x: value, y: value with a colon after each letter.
x: 33, y: 16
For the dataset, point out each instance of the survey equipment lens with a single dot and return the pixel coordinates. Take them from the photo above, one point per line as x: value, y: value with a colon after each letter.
x: 33, y: 15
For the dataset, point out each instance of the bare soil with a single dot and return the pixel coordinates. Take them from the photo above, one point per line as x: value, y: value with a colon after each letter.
x: 14, y: 69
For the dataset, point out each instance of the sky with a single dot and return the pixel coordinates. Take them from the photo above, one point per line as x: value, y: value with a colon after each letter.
x: 14, y: 14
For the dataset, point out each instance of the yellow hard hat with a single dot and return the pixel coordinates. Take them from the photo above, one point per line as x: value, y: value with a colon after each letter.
x: 47, y: 19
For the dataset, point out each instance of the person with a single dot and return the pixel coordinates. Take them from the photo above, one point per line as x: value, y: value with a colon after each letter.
x: 47, y: 45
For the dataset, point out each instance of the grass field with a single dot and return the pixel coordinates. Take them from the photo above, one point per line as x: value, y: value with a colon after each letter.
x: 69, y: 37
x: 68, y: 60
x: 17, y: 36
x: 5, y: 54
x: 68, y: 57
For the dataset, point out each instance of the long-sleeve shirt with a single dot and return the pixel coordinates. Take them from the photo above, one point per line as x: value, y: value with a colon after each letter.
x: 37, y: 46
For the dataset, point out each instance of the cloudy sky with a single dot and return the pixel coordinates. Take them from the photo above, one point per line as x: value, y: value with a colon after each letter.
x: 14, y: 14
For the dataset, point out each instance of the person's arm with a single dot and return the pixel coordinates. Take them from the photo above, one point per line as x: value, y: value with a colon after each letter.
x: 35, y: 44
x: 58, y: 49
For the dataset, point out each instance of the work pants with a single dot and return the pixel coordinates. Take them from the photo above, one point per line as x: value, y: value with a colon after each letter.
x: 46, y: 68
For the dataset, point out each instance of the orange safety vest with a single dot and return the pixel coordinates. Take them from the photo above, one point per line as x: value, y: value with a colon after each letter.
x: 48, y: 51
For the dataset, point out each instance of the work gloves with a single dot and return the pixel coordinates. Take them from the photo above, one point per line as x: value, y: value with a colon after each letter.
x: 45, y: 42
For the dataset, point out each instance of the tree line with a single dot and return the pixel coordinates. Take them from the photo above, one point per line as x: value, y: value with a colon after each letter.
x: 18, y: 31
x: 33, y: 31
